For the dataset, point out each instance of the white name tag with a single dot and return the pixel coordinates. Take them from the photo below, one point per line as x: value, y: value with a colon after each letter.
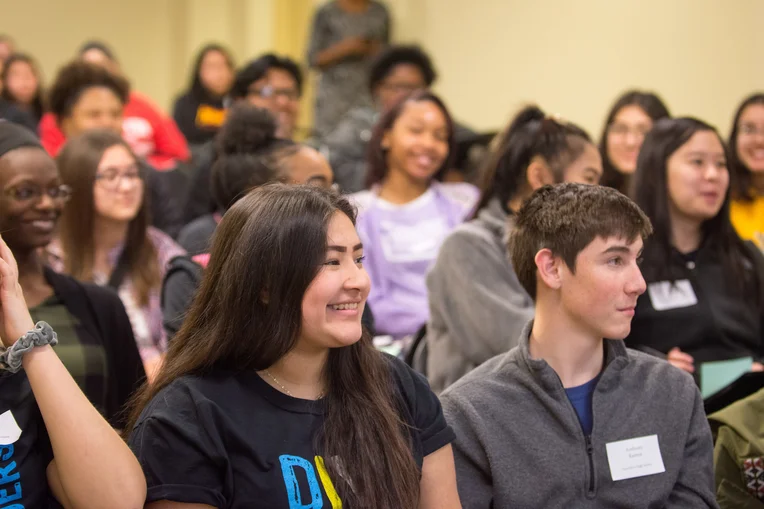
x: 636, y: 457
x: 667, y: 295
x: 9, y: 430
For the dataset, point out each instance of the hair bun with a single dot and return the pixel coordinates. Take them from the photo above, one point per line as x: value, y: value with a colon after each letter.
x: 247, y: 130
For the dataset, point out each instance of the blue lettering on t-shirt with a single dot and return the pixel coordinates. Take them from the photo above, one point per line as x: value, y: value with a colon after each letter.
x: 288, y: 465
x: 7, y: 475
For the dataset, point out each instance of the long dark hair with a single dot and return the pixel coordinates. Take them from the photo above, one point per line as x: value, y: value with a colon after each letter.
x: 650, y: 192
x: 272, y: 242
x: 740, y: 174
x: 38, y: 102
x: 653, y: 107
x: 531, y: 133
x: 78, y: 163
x: 377, y: 155
x: 197, y: 88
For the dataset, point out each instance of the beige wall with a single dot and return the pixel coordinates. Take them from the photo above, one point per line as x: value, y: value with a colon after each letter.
x: 572, y: 57
x: 155, y: 40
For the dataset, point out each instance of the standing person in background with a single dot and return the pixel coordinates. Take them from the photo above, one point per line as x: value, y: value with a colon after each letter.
x: 270, y: 82
x: 344, y: 37
x: 396, y: 72
x: 105, y: 236
x: 477, y: 305
x: 200, y: 112
x: 22, y: 85
x: 152, y: 135
x: 746, y: 165
x: 629, y: 120
x: 705, y: 286
x: 95, y: 340
x: 407, y: 212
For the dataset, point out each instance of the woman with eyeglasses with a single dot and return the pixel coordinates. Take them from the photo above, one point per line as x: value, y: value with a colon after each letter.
x: 629, y: 120
x: 345, y: 36
x: 105, y: 235
x: 746, y: 164
x: 95, y: 340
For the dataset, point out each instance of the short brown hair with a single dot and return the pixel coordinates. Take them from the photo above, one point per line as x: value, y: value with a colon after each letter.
x: 76, y: 77
x: 566, y: 218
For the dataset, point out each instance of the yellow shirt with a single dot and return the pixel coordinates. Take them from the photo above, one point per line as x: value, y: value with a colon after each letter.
x: 748, y: 217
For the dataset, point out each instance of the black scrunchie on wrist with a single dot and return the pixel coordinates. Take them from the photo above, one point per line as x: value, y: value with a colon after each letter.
x: 42, y: 334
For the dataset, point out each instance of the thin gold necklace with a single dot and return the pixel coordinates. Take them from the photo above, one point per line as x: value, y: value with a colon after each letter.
x: 267, y: 372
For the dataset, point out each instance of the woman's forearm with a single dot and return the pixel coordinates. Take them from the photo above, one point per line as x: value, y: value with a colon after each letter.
x: 94, y: 465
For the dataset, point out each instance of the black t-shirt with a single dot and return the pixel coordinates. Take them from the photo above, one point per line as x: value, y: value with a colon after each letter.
x: 233, y: 441
x: 23, y: 480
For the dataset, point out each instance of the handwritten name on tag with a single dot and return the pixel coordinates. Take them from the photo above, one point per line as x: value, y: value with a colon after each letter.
x: 635, y: 457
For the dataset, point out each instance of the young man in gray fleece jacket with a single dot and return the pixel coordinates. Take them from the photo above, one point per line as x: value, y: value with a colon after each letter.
x: 568, y: 419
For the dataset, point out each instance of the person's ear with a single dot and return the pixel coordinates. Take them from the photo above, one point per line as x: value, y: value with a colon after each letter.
x: 385, y: 144
x: 549, y: 268
x: 539, y: 174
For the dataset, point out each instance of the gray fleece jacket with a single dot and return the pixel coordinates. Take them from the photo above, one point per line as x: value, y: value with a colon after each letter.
x: 477, y: 305
x: 519, y: 443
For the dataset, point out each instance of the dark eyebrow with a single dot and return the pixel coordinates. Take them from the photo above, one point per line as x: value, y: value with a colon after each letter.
x: 343, y: 249
x: 617, y: 249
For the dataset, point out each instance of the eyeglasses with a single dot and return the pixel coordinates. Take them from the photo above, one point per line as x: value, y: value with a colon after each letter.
x: 26, y: 193
x: 269, y: 92
x: 622, y: 130
x: 111, y: 178
x: 751, y: 130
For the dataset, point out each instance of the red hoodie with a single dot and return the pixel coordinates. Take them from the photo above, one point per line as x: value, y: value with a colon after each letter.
x: 152, y: 135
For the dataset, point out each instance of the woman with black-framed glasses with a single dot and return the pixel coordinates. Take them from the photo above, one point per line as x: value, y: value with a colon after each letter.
x: 105, y: 235
x: 95, y: 340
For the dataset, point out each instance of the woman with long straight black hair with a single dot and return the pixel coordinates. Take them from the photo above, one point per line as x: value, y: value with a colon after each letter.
x: 704, y: 283
x: 271, y: 395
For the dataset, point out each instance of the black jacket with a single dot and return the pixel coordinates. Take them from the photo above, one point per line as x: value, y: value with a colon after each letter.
x: 191, y: 123
x: 199, y: 198
x: 722, y: 325
x: 99, y: 312
x: 166, y: 192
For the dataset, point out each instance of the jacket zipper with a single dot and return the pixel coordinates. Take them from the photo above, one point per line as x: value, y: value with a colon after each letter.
x: 590, y: 454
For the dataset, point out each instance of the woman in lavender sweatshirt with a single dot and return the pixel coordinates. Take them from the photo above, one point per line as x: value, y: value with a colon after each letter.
x: 407, y: 212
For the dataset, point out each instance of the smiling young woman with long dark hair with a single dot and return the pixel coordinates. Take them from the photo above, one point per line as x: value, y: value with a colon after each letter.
x: 704, y: 298
x: 271, y: 395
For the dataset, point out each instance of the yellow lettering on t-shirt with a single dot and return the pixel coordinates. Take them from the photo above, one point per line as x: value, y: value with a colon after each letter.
x: 209, y: 116
x: 328, y: 485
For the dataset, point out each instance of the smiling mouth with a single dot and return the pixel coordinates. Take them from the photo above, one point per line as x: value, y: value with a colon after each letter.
x: 350, y: 306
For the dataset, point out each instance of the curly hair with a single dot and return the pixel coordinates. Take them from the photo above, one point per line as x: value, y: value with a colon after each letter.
x: 78, y: 76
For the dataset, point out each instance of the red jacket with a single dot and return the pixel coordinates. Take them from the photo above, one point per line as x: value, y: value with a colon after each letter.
x: 152, y: 135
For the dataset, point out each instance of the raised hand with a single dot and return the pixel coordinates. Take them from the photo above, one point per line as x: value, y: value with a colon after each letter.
x: 15, y: 320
